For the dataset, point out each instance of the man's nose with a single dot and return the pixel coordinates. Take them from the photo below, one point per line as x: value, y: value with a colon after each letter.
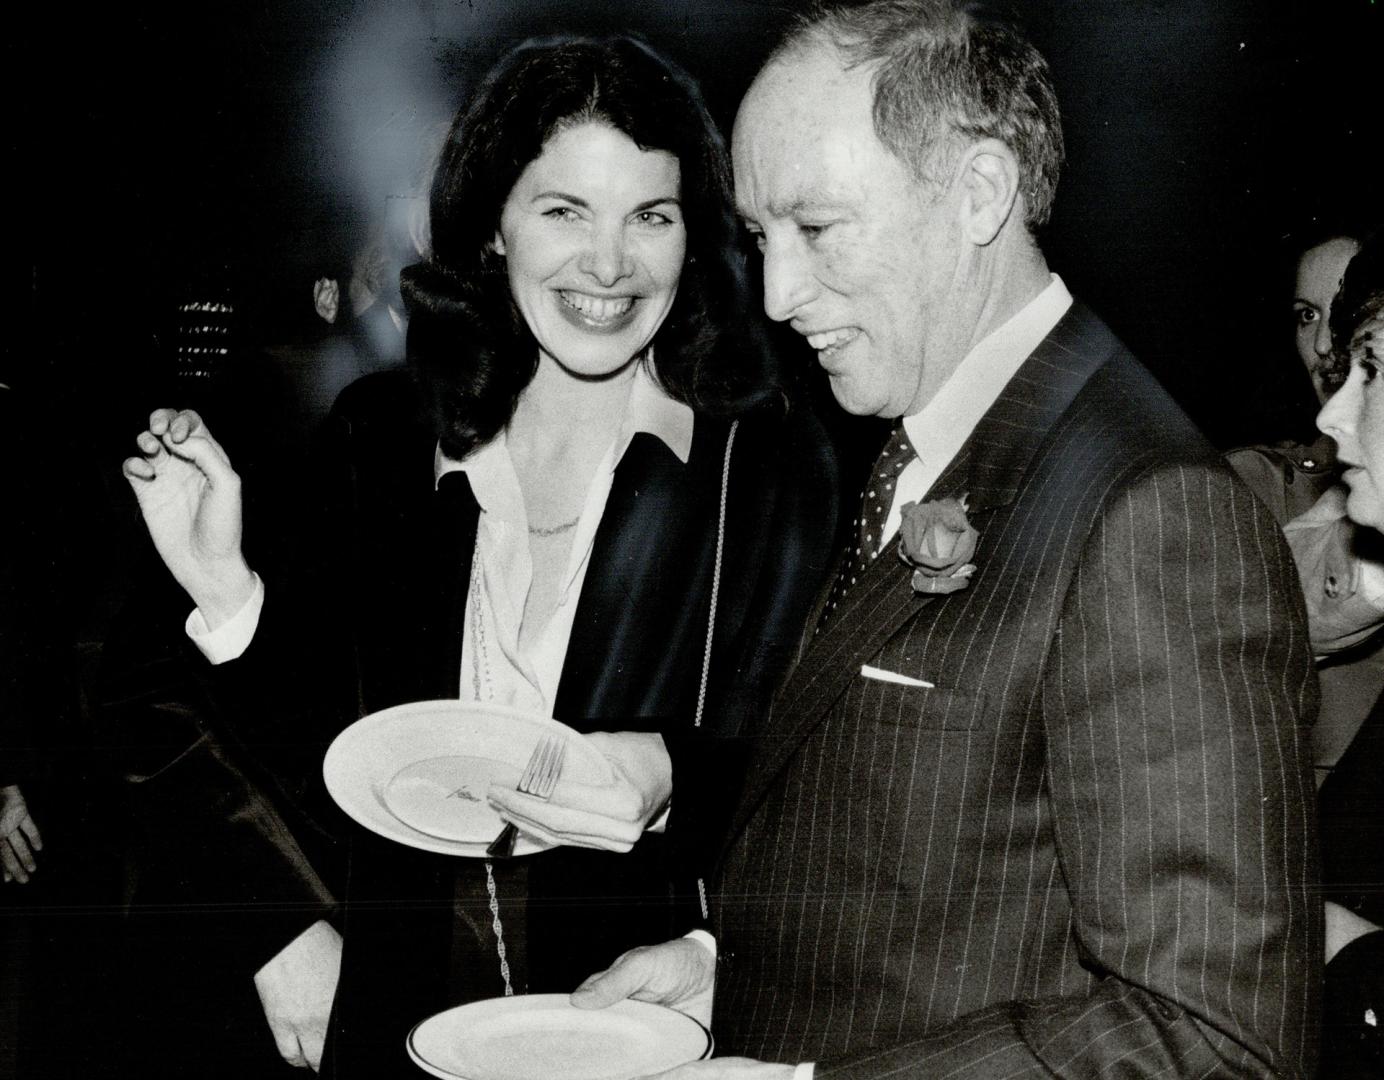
x: 608, y: 259
x: 788, y: 282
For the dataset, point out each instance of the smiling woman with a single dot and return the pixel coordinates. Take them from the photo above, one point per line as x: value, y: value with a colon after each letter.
x: 593, y: 239
x: 586, y: 502
x: 652, y: 224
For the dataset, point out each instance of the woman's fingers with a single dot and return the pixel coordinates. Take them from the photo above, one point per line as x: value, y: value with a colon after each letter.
x: 138, y: 468
x: 206, y: 453
x: 148, y: 443
x: 169, y: 430
x: 182, y: 434
x: 179, y: 423
x: 20, y: 846
x: 30, y: 829
x: 10, y: 861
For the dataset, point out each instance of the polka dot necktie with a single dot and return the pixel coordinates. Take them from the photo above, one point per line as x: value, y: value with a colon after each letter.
x: 875, y: 502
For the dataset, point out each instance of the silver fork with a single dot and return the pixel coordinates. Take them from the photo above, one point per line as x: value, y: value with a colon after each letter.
x: 539, y: 778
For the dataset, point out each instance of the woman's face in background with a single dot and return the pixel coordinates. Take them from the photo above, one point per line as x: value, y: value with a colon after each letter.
x: 1354, y: 417
x: 594, y: 240
x: 1319, y: 274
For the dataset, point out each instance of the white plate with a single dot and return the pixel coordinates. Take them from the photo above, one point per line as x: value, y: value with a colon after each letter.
x: 418, y: 773
x: 542, y: 1037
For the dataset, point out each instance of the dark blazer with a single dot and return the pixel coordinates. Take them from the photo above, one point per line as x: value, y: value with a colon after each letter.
x: 1352, y: 831
x: 17, y: 736
x: 1088, y: 849
x: 395, y: 557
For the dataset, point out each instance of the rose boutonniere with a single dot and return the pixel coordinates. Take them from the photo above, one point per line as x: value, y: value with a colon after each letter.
x: 937, y: 541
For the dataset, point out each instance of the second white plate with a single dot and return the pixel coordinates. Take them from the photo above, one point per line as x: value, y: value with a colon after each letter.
x: 542, y: 1037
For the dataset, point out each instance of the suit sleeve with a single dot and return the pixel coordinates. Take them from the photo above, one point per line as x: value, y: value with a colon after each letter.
x: 1174, y: 702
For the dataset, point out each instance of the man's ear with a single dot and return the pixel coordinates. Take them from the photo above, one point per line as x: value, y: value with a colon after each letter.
x: 990, y: 188
x: 498, y: 244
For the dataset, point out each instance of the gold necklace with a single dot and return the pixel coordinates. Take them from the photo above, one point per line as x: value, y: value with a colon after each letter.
x: 553, y: 530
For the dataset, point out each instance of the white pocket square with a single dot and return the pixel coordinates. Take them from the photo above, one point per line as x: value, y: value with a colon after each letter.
x: 894, y: 677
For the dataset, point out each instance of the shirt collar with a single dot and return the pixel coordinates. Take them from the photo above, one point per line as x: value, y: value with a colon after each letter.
x: 944, y: 423
x: 653, y: 410
x: 650, y: 409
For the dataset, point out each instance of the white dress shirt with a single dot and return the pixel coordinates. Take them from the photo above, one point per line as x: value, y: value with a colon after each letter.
x: 503, y: 568
x: 938, y: 430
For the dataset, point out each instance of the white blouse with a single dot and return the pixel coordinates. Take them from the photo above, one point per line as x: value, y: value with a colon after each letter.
x: 493, y: 665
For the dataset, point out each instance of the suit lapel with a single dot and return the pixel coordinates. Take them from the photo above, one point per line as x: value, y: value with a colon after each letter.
x: 455, y: 516
x: 412, y: 607
x: 622, y: 658
x: 989, y: 470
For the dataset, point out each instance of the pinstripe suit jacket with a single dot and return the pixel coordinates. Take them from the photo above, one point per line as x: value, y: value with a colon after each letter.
x: 1088, y: 851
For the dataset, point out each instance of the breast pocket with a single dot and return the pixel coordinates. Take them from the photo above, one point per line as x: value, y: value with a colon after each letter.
x: 917, y: 706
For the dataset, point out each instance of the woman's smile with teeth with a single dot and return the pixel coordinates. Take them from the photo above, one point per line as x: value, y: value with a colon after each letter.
x: 830, y: 339
x: 597, y: 307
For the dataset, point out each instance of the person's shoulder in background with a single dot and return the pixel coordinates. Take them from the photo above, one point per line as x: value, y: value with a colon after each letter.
x: 1288, y: 477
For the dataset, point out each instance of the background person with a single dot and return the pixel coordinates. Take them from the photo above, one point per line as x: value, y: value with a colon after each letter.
x: 1352, y: 824
x: 1341, y: 568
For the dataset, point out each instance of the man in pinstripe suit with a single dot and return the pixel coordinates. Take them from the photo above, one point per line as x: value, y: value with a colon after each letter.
x: 1057, y: 822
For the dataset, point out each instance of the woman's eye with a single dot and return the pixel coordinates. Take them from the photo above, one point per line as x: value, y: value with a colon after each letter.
x: 652, y: 217
x: 561, y: 213
x: 1305, y: 315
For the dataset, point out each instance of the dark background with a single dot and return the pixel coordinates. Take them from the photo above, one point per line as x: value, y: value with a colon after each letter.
x: 255, y: 143
x: 150, y: 152
x: 251, y: 145
x: 264, y: 136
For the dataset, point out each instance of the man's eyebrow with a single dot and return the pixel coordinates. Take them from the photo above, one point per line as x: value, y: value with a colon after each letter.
x: 804, y: 204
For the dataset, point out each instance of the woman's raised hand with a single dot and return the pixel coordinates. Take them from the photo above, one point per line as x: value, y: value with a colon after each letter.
x: 190, y: 498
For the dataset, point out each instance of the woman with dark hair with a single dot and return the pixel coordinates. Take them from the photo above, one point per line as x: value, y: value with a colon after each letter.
x: 1291, y: 475
x: 538, y: 94
x: 1341, y: 566
x: 589, y: 501
x: 1351, y: 800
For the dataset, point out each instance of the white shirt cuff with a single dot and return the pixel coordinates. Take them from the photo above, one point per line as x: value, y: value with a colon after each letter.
x: 803, y: 1071
x: 229, y: 640
x: 660, y: 823
x: 703, y: 938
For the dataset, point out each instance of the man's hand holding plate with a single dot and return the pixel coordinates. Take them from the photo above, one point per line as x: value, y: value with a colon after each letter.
x: 680, y: 974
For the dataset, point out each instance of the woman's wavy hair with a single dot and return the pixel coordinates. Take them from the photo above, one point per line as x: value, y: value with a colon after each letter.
x: 467, y: 341
x: 1360, y: 299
